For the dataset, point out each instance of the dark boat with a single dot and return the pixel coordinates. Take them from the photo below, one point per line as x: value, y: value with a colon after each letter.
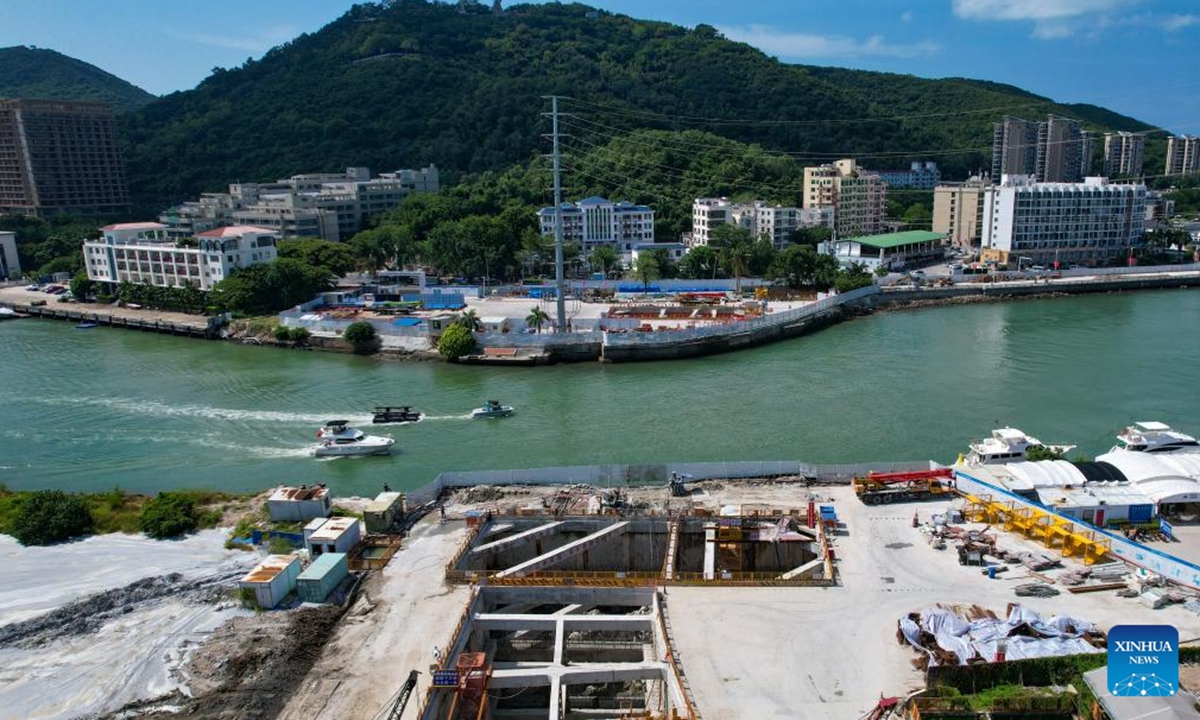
x: 87, y: 325
x: 387, y: 414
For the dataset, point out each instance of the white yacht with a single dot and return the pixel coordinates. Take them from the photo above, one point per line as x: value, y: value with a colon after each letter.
x: 338, y: 439
x: 1153, y: 437
x: 1007, y: 445
x: 492, y: 409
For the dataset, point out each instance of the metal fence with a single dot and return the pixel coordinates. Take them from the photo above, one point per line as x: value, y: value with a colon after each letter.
x: 543, y: 340
x: 670, y: 337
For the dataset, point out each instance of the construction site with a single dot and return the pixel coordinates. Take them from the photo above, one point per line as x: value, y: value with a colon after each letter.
x: 890, y: 594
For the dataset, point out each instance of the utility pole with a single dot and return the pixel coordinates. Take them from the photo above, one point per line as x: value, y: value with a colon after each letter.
x: 558, y: 221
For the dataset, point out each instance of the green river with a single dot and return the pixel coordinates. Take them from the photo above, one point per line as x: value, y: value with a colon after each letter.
x: 93, y: 409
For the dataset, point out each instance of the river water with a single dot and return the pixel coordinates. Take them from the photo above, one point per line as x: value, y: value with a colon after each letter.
x: 94, y: 409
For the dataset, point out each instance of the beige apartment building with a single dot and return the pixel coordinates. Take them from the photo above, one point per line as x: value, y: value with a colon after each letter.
x: 958, y: 211
x: 857, y: 196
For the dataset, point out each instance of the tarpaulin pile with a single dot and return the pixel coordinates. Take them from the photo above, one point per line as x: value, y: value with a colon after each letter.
x: 949, y: 635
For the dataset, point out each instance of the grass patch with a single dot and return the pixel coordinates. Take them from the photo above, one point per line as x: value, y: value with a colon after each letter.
x: 338, y: 511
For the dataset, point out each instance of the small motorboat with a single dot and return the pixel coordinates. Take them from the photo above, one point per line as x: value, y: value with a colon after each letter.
x: 87, y: 325
x: 493, y: 409
x: 337, y: 439
x: 387, y: 414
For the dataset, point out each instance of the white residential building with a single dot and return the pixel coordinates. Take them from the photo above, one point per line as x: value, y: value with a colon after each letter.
x: 919, y: 176
x: 595, y: 221
x: 331, y: 206
x: 1183, y: 155
x: 777, y: 222
x: 1088, y: 222
x: 857, y: 196
x: 674, y: 251
x: 143, y: 253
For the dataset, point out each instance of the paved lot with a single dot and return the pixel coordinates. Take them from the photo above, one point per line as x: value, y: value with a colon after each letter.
x: 831, y: 652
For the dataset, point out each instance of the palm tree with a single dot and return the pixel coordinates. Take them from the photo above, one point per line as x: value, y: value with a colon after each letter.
x: 469, y: 319
x: 737, y: 258
x: 537, y: 318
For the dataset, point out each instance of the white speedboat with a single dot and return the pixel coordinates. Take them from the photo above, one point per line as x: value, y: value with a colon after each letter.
x: 1154, y: 437
x: 493, y: 409
x: 1007, y: 445
x: 338, y: 439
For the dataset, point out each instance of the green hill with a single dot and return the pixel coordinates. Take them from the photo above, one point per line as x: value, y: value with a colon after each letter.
x: 34, y: 73
x: 411, y: 82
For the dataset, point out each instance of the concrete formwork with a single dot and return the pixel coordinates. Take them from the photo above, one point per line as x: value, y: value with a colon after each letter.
x: 564, y: 652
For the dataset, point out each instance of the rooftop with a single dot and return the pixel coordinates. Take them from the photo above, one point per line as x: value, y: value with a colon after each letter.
x: 333, y: 528
x: 269, y: 568
x: 135, y: 226
x: 321, y: 566
x: 383, y: 501
x: 299, y: 494
x: 234, y: 231
x: 891, y: 240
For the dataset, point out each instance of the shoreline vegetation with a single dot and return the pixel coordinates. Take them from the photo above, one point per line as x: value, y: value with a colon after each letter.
x: 66, y: 516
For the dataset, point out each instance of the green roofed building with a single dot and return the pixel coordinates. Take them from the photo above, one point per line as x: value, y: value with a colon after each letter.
x: 892, y: 250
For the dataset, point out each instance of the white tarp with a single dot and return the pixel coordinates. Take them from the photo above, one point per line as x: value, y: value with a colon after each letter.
x: 1060, y: 635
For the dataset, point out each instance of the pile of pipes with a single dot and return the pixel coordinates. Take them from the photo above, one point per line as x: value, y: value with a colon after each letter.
x: 957, y: 635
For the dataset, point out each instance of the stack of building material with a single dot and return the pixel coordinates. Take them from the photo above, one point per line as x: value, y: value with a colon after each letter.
x: 956, y: 635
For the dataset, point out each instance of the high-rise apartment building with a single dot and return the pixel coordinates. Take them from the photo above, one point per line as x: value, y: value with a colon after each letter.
x: 1182, y: 155
x: 1089, y: 222
x: 58, y: 156
x: 1057, y: 150
x: 857, y: 196
x: 1123, y: 154
x: 10, y: 264
x: 958, y: 211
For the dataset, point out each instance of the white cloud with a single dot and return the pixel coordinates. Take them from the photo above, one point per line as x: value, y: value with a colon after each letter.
x: 803, y: 45
x: 1171, y: 23
x: 261, y: 42
x: 1034, y: 9
x: 906, y: 16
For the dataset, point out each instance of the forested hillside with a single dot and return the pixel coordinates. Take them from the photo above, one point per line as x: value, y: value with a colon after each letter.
x: 36, y: 73
x: 411, y: 82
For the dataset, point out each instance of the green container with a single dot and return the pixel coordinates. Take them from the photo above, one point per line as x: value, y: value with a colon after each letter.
x: 322, y: 577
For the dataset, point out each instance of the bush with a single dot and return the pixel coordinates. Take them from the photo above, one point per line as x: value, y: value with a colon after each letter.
x: 48, y: 516
x: 362, y: 336
x: 168, y: 515
x: 282, y: 333
x: 300, y: 335
x: 456, y: 342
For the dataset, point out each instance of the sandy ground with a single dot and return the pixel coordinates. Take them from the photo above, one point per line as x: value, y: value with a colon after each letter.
x: 17, y: 294
x: 831, y: 652
x: 392, y: 629
x: 520, y: 307
x: 134, y: 656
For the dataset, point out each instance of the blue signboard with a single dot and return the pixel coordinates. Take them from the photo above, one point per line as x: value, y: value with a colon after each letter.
x: 445, y: 678
x: 1165, y: 528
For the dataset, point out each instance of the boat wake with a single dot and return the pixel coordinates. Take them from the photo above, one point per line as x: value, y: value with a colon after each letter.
x: 157, y: 409
x: 466, y: 416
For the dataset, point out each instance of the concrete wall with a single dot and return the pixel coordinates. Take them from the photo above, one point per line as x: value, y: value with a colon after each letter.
x: 1147, y: 558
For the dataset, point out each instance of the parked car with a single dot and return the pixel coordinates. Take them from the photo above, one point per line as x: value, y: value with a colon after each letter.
x: 1037, y: 268
x: 33, y: 288
x: 918, y: 273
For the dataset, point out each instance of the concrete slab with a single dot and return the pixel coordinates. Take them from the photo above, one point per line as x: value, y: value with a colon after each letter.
x: 571, y: 549
x: 530, y: 534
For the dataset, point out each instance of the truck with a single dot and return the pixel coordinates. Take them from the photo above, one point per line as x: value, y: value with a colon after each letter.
x: 881, y: 488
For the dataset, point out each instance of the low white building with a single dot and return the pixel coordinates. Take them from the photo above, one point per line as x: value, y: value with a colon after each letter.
x: 674, y: 251
x: 890, y: 250
x: 272, y: 580
x: 143, y: 253
x: 335, y: 535
x: 919, y: 176
x: 595, y: 221
x: 778, y: 222
x: 296, y: 504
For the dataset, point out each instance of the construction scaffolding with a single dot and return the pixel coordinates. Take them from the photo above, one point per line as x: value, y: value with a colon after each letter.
x: 1070, y: 539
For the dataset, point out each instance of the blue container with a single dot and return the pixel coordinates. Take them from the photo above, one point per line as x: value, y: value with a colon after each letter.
x: 992, y: 572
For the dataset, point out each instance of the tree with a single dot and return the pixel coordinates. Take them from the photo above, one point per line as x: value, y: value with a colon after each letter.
x: 537, y: 318
x: 49, y: 516
x: 736, y: 258
x: 826, y: 272
x: 762, y: 254
x: 338, y: 258
x: 1041, y: 452
x: 456, y: 342
x: 168, y: 515
x: 852, y: 278
x: 468, y: 319
x: 666, y: 267
x: 81, y: 286
x: 603, y: 257
x: 811, y: 235
x: 267, y: 288
x: 701, y: 262
x: 796, y: 266
x: 646, y: 269
x: 362, y: 336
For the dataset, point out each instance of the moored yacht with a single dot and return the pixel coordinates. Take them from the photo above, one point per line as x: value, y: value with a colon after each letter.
x: 337, y: 439
x: 1153, y: 437
x: 1007, y: 445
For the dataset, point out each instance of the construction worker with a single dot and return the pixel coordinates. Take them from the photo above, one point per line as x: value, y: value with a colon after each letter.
x: 916, y: 520
x: 442, y: 510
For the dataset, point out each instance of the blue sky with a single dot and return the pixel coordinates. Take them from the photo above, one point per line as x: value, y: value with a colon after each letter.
x: 1133, y: 56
